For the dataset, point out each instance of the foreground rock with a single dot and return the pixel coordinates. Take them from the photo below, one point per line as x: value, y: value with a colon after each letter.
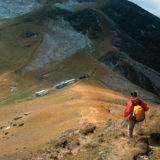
x: 101, y: 142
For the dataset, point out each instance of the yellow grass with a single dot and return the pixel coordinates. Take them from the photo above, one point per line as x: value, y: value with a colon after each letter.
x: 85, y: 101
x: 101, y: 96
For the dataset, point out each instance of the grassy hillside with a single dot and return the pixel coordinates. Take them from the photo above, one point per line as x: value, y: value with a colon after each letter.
x: 17, y: 44
x: 90, y: 100
x: 84, y: 101
x: 28, y: 123
x: 107, y: 140
x: 19, y: 41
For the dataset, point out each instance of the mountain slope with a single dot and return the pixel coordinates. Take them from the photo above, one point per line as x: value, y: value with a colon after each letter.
x: 64, y: 40
x: 89, y: 100
x: 97, y: 29
x: 141, y: 26
x: 104, y: 141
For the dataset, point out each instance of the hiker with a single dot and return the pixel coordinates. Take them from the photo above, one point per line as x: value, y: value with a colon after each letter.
x: 135, y: 110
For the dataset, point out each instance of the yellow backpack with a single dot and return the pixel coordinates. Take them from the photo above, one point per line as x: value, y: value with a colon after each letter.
x: 138, y: 113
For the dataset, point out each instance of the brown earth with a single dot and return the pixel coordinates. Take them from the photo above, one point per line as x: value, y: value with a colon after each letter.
x: 85, y: 101
x: 93, y: 100
x: 105, y: 141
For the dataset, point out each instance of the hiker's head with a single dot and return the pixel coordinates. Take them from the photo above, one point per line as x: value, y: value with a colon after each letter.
x: 133, y: 94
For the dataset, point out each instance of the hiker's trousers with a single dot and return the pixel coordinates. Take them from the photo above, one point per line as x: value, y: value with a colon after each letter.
x: 130, y: 128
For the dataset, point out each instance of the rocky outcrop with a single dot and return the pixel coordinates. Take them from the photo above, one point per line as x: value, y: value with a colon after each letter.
x: 14, y: 8
x: 103, y: 141
x: 60, y: 41
x: 137, y: 73
x: 136, y: 38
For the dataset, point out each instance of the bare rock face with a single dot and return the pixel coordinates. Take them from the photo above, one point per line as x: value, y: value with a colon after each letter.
x: 137, y: 73
x: 136, y: 37
x: 88, y: 128
x: 139, y: 31
x: 59, y: 42
x: 14, y: 8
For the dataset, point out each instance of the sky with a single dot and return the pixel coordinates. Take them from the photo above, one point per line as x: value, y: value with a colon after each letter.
x: 152, y: 6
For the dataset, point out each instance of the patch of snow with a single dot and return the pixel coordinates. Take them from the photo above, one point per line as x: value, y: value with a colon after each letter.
x: 59, y: 41
x: 14, y: 8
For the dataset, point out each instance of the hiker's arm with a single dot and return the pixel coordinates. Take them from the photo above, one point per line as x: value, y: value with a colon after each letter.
x: 128, y: 109
x: 145, y: 107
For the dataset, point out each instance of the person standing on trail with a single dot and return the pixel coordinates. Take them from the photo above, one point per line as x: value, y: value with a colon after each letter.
x: 135, y: 110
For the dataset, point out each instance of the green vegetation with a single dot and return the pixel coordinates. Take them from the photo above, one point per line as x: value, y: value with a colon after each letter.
x: 16, y: 47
